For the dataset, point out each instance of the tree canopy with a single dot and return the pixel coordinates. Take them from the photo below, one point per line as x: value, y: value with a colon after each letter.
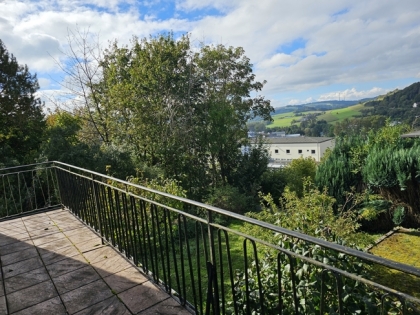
x: 21, y: 117
x: 181, y: 109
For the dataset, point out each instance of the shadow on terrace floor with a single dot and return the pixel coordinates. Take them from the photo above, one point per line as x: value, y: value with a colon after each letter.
x: 54, y: 264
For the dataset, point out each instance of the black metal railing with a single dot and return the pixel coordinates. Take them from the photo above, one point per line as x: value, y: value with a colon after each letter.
x: 212, y: 268
x: 28, y: 188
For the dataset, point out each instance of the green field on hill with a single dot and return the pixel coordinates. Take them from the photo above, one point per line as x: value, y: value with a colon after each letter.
x: 331, y: 116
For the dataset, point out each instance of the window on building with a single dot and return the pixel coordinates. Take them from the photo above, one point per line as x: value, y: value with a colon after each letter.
x: 313, y: 151
x: 276, y: 151
x: 287, y: 151
x: 300, y: 151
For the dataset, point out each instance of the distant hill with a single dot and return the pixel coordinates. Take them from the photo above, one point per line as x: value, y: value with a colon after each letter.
x: 398, y: 104
x: 320, y: 106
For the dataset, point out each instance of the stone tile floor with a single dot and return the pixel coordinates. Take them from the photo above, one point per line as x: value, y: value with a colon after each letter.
x: 53, y: 264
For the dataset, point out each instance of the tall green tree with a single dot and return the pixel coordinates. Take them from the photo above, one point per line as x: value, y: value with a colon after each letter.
x: 21, y: 117
x: 181, y: 110
x: 227, y: 82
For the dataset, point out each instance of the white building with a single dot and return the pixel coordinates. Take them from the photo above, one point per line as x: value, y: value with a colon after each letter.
x: 285, y: 149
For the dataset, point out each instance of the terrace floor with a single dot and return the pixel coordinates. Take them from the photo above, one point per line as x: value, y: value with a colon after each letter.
x: 54, y: 264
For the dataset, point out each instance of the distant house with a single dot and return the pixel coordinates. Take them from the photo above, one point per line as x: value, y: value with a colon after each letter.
x: 285, y: 149
x: 277, y: 134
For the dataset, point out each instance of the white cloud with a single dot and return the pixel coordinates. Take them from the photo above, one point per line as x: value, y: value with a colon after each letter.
x: 352, y: 94
x: 44, y: 82
x: 294, y: 102
x: 373, y: 41
x: 278, y: 60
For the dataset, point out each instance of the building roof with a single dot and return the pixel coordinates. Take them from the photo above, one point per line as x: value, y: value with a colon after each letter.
x: 289, y: 140
x: 414, y: 134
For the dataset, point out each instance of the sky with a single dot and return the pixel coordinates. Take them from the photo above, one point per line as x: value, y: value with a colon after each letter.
x: 306, y: 50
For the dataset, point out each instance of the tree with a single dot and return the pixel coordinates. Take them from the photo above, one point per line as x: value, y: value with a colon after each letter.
x: 297, y: 171
x: 21, y: 117
x: 227, y: 83
x: 381, y: 165
x: 177, y: 108
x: 83, y: 69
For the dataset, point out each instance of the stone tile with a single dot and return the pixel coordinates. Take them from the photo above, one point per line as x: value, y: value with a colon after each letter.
x: 48, y: 238
x: 75, y: 279
x: 55, y: 245
x: 5, y: 240
x: 82, y: 297
x: 111, y: 265
x: 51, y: 306
x: 22, y: 267
x: 51, y: 229
x: 90, y: 245
x: 35, y: 217
x: 17, y: 256
x: 82, y: 231
x: 64, y: 266
x: 26, y: 279
x: 16, y: 247
x: 50, y: 257
x: 100, y: 253
x: 65, y: 219
x: 7, y: 223
x: 15, y: 233
x: 32, y: 226
x: 125, y: 279
x: 68, y: 227
x: 1, y: 288
x: 3, y: 307
x: 85, y: 236
x: 167, y: 307
x: 40, y: 217
x: 142, y: 297
x: 22, y: 299
x: 83, y: 241
x: 110, y: 306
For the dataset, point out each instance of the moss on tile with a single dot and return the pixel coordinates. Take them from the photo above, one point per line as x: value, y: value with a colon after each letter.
x: 403, y: 246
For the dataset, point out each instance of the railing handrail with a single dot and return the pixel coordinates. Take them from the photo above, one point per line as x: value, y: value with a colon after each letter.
x: 334, y: 246
x: 326, y: 244
x: 104, y: 203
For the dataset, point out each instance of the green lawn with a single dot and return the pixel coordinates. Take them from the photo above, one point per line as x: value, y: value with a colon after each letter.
x: 331, y: 116
x: 336, y: 115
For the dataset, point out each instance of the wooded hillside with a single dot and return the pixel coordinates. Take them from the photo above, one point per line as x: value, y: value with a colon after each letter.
x: 397, y: 105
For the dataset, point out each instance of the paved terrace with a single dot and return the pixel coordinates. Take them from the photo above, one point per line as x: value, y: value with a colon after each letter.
x: 54, y: 264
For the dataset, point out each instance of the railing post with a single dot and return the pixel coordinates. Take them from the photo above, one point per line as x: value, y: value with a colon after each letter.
x: 213, y: 289
x: 98, y: 216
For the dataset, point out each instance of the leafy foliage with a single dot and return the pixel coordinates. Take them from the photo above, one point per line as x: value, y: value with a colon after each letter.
x: 312, y: 214
x: 381, y: 163
x: 21, y: 118
x: 175, y: 108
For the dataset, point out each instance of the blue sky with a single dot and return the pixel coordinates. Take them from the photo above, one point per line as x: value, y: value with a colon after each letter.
x: 306, y: 50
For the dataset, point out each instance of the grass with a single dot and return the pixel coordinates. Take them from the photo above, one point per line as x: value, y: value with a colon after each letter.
x: 337, y: 115
x: 331, y: 116
x: 404, y: 247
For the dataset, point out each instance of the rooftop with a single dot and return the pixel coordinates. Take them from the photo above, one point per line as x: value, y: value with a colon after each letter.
x: 286, y: 140
x: 52, y: 263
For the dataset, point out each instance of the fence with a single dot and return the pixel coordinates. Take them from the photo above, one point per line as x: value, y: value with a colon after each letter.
x: 211, y: 268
